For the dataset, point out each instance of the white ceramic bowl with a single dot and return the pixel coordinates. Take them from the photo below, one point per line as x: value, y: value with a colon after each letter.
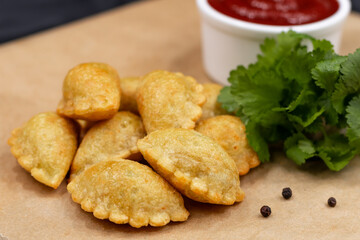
x: 229, y: 42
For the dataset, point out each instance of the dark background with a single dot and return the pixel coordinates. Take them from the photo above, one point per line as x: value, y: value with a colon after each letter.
x: 22, y: 17
x: 19, y: 18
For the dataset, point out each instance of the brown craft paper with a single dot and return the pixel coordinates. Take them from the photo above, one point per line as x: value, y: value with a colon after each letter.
x: 136, y: 39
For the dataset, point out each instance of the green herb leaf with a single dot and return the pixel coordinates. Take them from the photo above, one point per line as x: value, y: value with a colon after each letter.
x: 296, y: 66
x: 228, y: 100
x: 335, y: 151
x: 349, y: 81
x: 257, y: 142
x: 299, y: 96
x: 299, y: 148
x: 326, y: 73
x: 353, y: 116
x: 323, y: 45
x: 273, y: 50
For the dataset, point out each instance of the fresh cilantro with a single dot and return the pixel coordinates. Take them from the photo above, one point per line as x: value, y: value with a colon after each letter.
x: 349, y: 83
x: 299, y: 148
x: 326, y: 73
x: 323, y: 45
x: 257, y: 142
x: 301, y: 97
x: 335, y: 151
x: 353, y: 116
x: 229, y: 103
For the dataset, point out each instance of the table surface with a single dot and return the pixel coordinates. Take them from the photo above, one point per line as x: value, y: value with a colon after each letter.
x: 136, y: 39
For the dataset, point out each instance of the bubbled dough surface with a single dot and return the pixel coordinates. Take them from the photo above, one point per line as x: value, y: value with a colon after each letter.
x: 91, y: 91
x: 194, y: 164
x: 211, y: 107
x: 45, y: 147
x: 114, y: 137
x: 169, y: 100
x: 229, y: 132
x: 125, y: 191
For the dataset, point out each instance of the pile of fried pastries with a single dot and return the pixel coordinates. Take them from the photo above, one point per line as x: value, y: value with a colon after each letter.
x: 105, y: 126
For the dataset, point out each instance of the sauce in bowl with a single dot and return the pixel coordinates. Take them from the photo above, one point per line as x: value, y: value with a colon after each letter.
x: 277, y: 12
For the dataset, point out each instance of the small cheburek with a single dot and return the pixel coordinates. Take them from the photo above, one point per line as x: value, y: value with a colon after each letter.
x: 194, y: 164
x: 91, y: 91
x: 125, y: 191
x: 84, y: 126
x: 169, y: 100
x: 45, y: 147
x: 129, y: 89
x: 211, y: 107
x: 114, y: 137
x: 229, y: 132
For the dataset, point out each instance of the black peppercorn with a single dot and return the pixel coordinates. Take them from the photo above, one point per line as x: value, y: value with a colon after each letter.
x: 332, y: 202
x: 265, y: 211
x: 287, y: 193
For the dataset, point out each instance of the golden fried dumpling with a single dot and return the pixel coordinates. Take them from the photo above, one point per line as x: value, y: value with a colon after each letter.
x: 91, y: 91
x: 169, y: 100
x: 229, y: 132
x: 129, y: 89
x: 45, y: 147
x: 114, y: 137
x: 84, y: 127
x: 194, y: 164
x: 125, y: 191
x: 211, y: 107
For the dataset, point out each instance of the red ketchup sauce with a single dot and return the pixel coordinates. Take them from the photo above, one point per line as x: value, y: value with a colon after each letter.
x: 277, y: 12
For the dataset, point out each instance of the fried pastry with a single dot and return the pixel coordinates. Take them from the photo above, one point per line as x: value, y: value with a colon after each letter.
x: 84, y: 127
x: 125, y: 191
x: 91, y: 91
x: 211, y: 107
x: 169, y: 100
x: 45, y: 147
x: 114, y: 137
x: 194, y: 164
x: 129, y: 89
x: 229, y: 132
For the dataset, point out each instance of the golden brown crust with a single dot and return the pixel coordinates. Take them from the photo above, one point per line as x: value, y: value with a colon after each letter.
x: 129, y: 89
x: 194, y: 164
x: 211, y: 108
x: 168, y: 100
x: 91, y: 91
x: 114, y: 137
x: 45, y: 147
x: 229, y: 132
x: 125, y: 191
x: 84, y: 126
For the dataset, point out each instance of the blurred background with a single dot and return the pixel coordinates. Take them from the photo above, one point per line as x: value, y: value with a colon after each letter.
x: 20, y: 18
